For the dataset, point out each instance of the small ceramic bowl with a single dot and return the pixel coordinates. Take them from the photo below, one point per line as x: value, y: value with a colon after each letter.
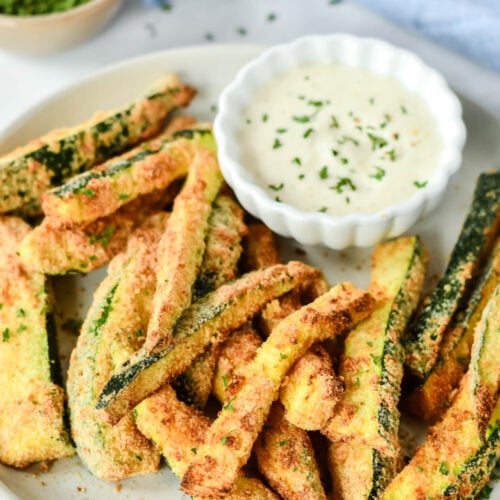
x: 48, y: 33
x: 356, y: 229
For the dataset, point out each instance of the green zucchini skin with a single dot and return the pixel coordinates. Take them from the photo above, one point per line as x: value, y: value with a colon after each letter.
x: 456, y: 458
x: 365, y: 454
x: 104, y: 189
x: 209, y: 320
x: 220, y: 264
x: 422, y: 339
x: 50, y: 160
x: 118, y: 316
x: 32, y: 409
x: 430, y: 399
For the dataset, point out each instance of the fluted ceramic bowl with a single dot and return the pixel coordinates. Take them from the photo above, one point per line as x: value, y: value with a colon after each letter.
x: 356, y: 229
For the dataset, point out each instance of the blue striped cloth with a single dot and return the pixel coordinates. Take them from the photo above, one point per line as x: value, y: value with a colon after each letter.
x: 470, y: 27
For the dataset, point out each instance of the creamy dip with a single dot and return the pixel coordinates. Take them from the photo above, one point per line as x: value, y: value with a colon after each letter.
x: 332, y: 138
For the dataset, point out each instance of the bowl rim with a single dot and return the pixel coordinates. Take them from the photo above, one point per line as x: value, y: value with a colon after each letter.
x: 239, y: 178
x: 12, y: 19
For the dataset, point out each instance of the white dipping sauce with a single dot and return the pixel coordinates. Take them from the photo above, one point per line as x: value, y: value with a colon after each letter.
x: 337, y: 139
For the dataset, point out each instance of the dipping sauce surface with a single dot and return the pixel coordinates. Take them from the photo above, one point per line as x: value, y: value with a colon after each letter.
x: 337, y: 139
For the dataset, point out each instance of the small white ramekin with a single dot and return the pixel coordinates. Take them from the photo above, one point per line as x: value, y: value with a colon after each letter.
x: 319, y: 228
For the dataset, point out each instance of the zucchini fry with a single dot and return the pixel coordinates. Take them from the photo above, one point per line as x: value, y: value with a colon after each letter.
x: 120, y: 311
x: 422, y: 339
x: 311, y: 391
x: 455, y: 459
x: 54, y: 249
x: 430, y: 400
x: 104, y: 189
x: 182, y: 247
x: 230, y: 439
x: 178, y: 429
x: 285, y: 457
x: 259, y: 248
x: 220, y: 264
x: 365, y: 454
x: 48, y: 161
x: 31, y: 399
x: 284, y: 452
x: 207, y: 321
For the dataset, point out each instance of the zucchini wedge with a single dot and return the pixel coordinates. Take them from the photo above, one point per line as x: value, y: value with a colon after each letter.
x: 117, y: 317
x: 104, y: 189
x: 178, y: 430
x: 230, y: 439
x: 48, y: 161
x: 455, y: 459
x: 422, y: 339
x: 182, y: 247
x: 220, y: 265
x: 365, y: 454
x: 54, y: 249
x: 284, y: 452
x: 207, y: 321
x: 32, y: 400
x: 430, y: 400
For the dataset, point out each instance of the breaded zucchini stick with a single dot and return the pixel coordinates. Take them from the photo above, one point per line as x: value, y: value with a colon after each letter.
x: 104, y: 189
x: 284, y: 452
x: 178, y: 430
x: 220, y: 265
x: 230, y: 439
x: 181, y: 248
x: 285, y: 457
x: 32, y: 428
x: 54, y: 249
x: 207, y: 321
x: 456, y: 458
x: 311, y: 382
x: 422, y: 339
x: 430, y: 400
x: 48, y: 161
x: 119, y: 313
x: 311, y: 391
x: 365, y: 454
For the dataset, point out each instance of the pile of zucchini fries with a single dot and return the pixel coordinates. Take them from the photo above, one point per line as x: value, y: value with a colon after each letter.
x: 252, y: 378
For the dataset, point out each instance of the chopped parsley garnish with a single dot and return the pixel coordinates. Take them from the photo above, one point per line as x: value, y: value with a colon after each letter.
x: 443, y: 468
x: 335, y: 152
x: 404, y: 110
x: 344, y: 161
x: 271, y: 17
x: 301, y: 176
x: 285, y: 442
x: 241, y: 31
x: 334, y: 123
x: 229, y: 405
x: 301, y: 119
x: 283, y: 355
x: 371, y: 100
x: 420, y: 185
x: 87, y: 191
x: 277, y: 144
x: 347, y: 138
x: 316, y: 104
x: 343, y: 183
x: 297, y: 161
x: 277, y: 199
x: 391, y: 154
x: 281, y: 130
x: 323, y: 209
x: 323, y: 173
x: 308, y: 132
x: 6, y: 335
x: 225, y: 381
x: 265, y: 117
x: 377, y: 142
x: 277, y: 187
x: 123, y: 196
x: 379, y: 174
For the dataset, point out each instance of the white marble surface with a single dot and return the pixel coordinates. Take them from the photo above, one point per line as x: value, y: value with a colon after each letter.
x: 140, y: 28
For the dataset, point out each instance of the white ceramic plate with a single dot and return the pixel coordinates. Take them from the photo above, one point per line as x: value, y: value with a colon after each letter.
x: 209, y: 69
